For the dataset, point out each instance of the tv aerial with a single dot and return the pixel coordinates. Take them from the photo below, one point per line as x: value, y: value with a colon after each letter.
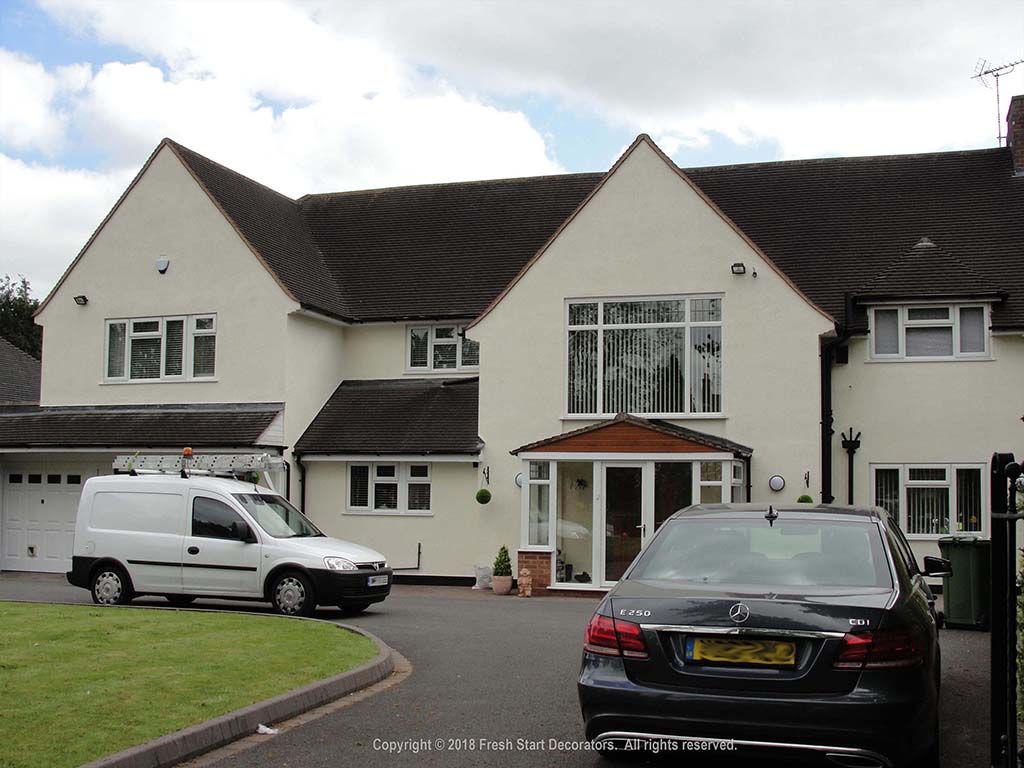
x: 982, y: 71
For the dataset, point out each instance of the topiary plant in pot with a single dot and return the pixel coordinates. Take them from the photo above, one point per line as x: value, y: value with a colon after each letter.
x: 501, y: 580
x: 483, y: 496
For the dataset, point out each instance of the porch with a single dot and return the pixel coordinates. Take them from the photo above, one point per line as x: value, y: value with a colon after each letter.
x: 592, y: 498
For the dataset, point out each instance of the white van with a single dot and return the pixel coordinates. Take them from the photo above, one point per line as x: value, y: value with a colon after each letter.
x: 189, y: 537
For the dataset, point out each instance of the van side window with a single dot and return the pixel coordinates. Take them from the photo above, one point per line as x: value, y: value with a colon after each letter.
x: 213, y: 519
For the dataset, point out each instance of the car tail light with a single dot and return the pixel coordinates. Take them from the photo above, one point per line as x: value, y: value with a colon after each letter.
x: 881, y: 649
x: 609, y: 637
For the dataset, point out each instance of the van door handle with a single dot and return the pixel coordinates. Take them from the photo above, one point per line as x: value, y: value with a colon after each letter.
x: 193, y: 550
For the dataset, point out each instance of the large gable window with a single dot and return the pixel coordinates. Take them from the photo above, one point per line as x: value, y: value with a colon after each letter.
x: 655, y: 357
x: 929, y: 332
x: 161, y: 348
x: 440, y: 348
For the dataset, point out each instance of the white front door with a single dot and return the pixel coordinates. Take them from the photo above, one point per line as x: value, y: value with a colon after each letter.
x: 625, y: 506
x: 40, y: 502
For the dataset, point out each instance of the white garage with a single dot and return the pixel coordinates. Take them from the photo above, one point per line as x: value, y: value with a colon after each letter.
x: 37, y: 513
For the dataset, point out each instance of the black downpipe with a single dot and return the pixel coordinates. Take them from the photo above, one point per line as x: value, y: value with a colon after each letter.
x: 850, y: 445
x: 302, y: 481
x: 827, y: 359
x: 1003, y: 615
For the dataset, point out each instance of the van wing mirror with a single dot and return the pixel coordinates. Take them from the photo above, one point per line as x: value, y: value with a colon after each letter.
x: 243, y: 532
x: 937, y: 566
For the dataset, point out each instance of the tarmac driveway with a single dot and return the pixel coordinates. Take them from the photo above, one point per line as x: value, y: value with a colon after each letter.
x: 498, y: 670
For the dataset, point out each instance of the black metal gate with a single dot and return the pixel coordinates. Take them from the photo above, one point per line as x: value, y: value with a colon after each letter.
x: 1006, y: 473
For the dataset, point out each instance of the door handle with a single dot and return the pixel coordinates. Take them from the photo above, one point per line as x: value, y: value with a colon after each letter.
x: 643, y: 529
x: 193, y: 550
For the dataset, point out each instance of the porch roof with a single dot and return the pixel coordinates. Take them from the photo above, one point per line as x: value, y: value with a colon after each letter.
x: 631, y: 434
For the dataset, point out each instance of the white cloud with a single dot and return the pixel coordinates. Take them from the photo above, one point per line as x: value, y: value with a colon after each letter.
x: 27, y: 116
x: 46, y: 215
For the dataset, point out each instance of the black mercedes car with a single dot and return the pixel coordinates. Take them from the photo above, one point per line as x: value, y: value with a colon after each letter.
x: 796, y: 631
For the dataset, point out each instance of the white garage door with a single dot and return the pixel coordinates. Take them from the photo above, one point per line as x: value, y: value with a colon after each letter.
x: 39, y: 505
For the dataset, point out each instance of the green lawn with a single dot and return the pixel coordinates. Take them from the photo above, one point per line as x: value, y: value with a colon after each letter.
x: 79, y: 682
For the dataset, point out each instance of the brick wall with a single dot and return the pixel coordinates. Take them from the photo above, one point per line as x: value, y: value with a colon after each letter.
x: 1015, y: 132
x: 539, y: 564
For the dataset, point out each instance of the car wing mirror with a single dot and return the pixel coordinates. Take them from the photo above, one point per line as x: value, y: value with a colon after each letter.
x: 937, y: 566
x: 243, y: 533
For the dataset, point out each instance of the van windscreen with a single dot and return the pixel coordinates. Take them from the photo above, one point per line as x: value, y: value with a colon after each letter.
x: 276, y: 516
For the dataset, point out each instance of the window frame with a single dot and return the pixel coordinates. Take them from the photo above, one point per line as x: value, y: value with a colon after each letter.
x: 600, y: 326
x: 903, y: 322
x: 189, y: 334
x: 429, y: 369
x: 403, y: 478
x: 950, y: 484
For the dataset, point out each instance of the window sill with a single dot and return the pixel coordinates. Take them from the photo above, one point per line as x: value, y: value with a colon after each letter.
x: 543, y: 548
x: 564, y: 587
x: 448, y: 372
x: 388, y: 513
x: 874, y: 360
x: 202, y: 380
x: 663, y: 416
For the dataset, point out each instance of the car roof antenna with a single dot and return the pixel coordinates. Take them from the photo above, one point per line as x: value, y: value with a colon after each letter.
x: 771, y: 516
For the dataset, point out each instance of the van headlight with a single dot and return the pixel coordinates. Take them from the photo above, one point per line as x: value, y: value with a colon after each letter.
x: 339, y: 564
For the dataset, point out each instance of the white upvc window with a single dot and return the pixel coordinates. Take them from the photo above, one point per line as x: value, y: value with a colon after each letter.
x: 650, y: 356
x: 929, y: 332
x: 440, y: 348
x: 539, y: 502
x: 930, y: 500
x: 389, y: 488
x: 148, y: 349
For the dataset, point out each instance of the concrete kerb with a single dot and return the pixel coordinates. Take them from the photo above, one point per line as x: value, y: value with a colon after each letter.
x: 202, y: 737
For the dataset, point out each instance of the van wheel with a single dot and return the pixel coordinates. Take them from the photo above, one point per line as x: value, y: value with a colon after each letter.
x: 180, y: 601
x: 110, y: 586
x: 291, y: 594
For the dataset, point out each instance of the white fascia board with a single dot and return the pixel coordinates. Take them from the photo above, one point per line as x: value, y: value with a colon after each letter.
x: 394, y: 457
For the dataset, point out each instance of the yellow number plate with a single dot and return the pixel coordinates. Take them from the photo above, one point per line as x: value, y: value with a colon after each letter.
x: 773, y: 653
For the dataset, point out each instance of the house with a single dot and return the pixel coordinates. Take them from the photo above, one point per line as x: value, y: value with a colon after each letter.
x: 597, y: 350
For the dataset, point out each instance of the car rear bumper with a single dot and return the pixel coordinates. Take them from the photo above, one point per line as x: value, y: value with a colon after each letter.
x: 81, y: 567
x: 890, y: 723
x: 350, y: 587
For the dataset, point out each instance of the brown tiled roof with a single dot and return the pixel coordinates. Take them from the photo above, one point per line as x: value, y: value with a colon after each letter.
x: 137, y: 426
x: 397, y: 416
x: 446, y: 250
x: 927, y: 270
x: 19, y: 375
x: 834, y: 225
x: 654, y: 425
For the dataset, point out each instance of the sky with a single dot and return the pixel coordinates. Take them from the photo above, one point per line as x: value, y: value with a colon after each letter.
x: 329, y: 95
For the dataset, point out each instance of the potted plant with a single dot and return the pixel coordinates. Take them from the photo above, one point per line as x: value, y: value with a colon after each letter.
x: 483, y: 496
x: 501, y: 579
x: 805, y: 499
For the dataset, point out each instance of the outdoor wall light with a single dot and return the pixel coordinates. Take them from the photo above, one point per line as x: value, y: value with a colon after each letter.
x: 739, y: 268
x: 162, y: 264
x: 776, y: 482
x: 81, y: 300
x: 519, y: 479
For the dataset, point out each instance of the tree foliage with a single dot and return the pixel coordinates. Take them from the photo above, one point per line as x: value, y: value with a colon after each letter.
x: 502, y: 563
x: 16, y: 309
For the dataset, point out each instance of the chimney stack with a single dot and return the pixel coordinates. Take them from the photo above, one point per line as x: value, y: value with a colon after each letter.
x: 1015, y: 132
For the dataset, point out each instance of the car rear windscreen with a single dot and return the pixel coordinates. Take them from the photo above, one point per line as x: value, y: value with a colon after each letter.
x: 821, y: 553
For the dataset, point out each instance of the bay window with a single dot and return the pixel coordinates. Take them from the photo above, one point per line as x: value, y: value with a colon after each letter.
x: 929, y: 332
x: 654, y: 357
x: 440, y: 348
x: 161, y: 348
x: 931, y: 500
x: 393, y: 488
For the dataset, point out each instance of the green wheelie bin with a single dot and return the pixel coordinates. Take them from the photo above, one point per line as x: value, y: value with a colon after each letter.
x: 966, y: 595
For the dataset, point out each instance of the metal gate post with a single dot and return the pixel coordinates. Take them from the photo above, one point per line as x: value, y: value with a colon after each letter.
x: 1012, y: 472
x: 1001, y: 596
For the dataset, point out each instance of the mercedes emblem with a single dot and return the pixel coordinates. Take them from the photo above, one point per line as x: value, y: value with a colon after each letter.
x: 739, y: 613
